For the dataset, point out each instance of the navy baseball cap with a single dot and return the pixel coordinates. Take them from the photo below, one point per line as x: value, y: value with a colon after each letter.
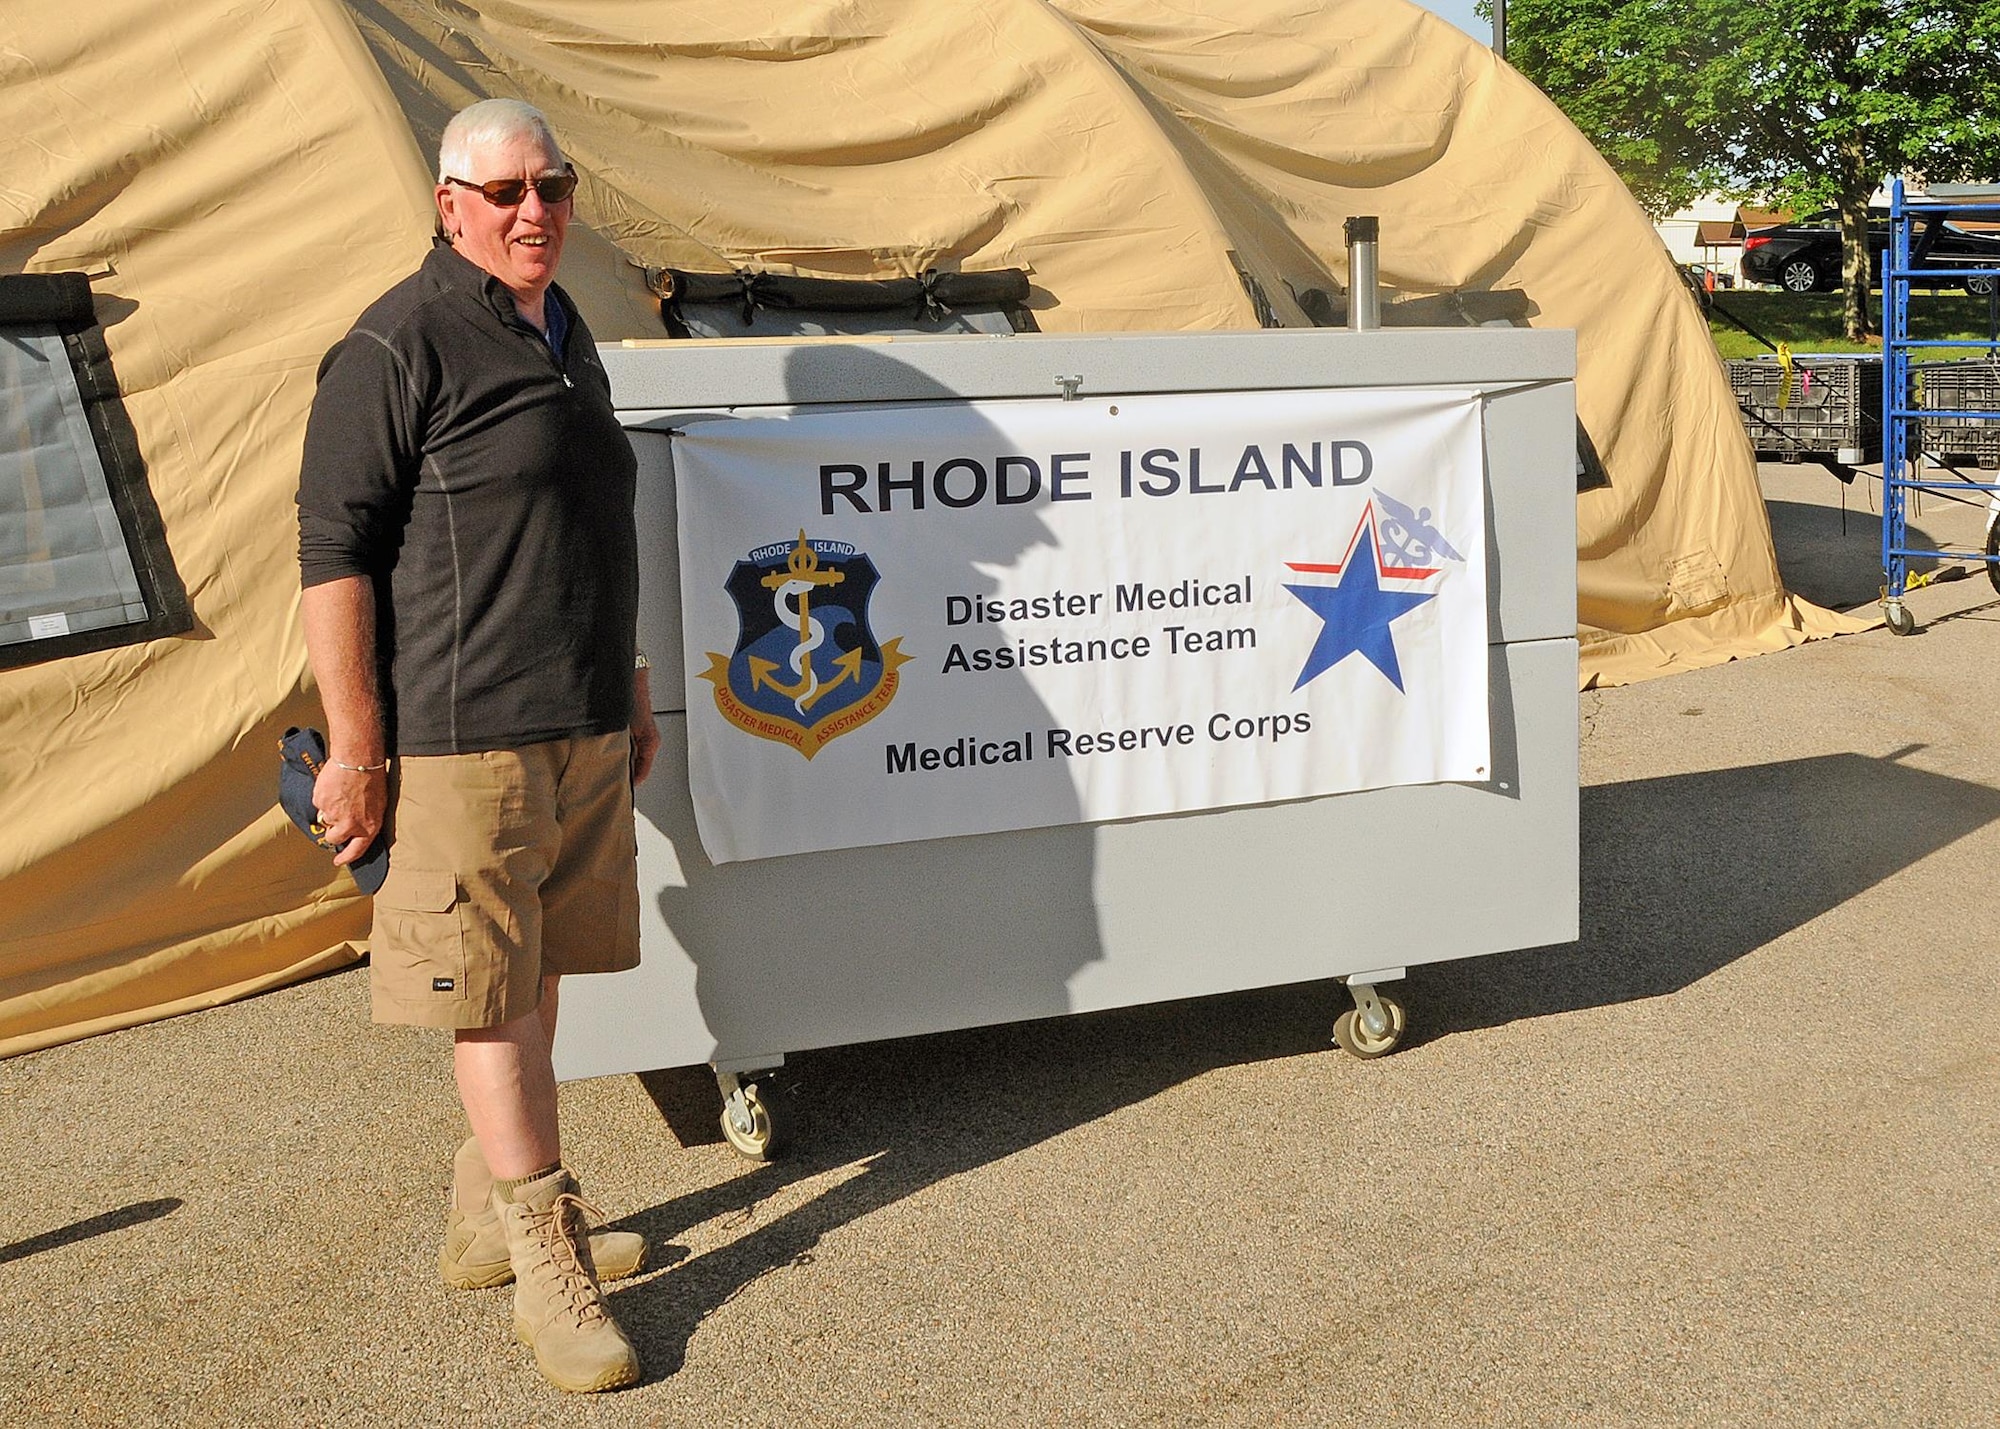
x: 303, y: 755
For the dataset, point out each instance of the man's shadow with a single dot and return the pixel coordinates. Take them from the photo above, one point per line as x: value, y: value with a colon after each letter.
x: 848, y: 947
x: 916, y: 944
x: 859, y: 944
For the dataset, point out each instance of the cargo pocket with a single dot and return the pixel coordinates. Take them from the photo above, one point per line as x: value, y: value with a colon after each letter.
x: 418, y: 944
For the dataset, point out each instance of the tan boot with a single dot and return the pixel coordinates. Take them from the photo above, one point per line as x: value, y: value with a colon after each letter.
x: 558, y: 1309
x: 474, y: 1253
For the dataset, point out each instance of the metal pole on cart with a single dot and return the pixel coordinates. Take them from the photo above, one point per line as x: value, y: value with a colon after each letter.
x: 1895, y: 383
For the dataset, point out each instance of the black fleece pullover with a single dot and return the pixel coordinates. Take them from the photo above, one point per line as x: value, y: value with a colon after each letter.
x: 485, y: 487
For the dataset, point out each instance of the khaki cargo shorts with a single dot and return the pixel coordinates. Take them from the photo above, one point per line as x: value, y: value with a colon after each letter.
x: 508, y: 866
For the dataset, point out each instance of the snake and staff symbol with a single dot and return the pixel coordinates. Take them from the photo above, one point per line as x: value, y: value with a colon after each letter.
x: 806, y: 668
x: 799, y: 579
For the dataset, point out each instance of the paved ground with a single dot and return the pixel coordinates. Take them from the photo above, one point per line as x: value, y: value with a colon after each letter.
x: 1730, y: 1160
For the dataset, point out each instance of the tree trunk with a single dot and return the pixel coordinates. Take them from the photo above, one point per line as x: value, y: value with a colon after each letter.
x: 1856, y: 185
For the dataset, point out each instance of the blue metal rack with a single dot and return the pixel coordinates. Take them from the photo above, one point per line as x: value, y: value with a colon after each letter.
x: 1903, y: 453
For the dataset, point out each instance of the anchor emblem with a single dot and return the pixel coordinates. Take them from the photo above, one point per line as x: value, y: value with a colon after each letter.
x: 802, y: 608
x: 800, y: 578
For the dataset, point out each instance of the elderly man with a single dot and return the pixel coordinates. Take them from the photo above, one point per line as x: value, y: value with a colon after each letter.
x: 470, y: 568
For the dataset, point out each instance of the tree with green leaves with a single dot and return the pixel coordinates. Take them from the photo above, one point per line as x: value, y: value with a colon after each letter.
x: 1806, y: 103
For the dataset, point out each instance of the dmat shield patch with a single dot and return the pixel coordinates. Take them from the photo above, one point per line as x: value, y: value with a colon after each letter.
x: 807, y: 668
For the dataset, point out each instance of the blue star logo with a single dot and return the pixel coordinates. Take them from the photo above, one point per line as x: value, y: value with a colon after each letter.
x: 1356, y: 615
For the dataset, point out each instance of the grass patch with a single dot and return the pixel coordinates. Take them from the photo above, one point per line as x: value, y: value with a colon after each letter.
x: 1810, y: 322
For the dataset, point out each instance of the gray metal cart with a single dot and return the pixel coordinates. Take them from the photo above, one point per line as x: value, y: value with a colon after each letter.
x: 993, y: 928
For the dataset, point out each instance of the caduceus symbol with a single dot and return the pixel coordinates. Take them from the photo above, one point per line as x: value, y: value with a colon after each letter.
x: 797, y: 581
x: 1412, y: 534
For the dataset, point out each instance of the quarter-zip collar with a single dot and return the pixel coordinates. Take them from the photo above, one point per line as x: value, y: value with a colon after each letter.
x: 452, y: 270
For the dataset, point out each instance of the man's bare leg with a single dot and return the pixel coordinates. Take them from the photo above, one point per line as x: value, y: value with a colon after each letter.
x: 471, y: 1259
x: 508, y: 1088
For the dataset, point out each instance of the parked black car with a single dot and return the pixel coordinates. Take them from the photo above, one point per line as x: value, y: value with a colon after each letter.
x: 1804, y: 256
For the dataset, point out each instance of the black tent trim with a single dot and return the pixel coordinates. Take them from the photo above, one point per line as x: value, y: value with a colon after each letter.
x: 932, y: 294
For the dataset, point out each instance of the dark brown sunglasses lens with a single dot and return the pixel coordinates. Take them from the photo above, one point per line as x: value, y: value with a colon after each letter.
x: 509, y: 193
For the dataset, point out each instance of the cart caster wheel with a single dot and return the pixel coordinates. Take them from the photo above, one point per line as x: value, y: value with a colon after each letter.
x: 756, y: 1121
x: 1993, y: 549
x: 1897, y: 617
x: 1352, y: 1032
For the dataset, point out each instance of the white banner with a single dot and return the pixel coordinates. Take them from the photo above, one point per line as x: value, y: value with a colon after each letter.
x: 914, y: 622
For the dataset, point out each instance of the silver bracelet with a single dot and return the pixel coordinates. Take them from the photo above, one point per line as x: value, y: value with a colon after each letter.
x: 360, y: 768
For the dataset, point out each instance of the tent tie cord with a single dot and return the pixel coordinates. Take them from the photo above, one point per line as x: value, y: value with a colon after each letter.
x: 1735, y: 321
x: 749, y: 278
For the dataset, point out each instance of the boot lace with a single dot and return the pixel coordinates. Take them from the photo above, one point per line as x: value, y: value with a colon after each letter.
x: 561, y: 1235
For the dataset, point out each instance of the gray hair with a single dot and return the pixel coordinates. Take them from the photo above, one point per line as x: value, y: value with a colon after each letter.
x: 491, y: 121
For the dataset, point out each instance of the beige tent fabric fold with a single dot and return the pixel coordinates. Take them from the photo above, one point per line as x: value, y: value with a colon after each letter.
x: 1736, y: 631
x: 1327, y: 111
x: 893, y: 137
x: 231, y: 173
x: 243, y: 176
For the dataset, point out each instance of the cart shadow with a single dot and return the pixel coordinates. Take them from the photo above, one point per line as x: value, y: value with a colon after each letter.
x: 1684, y: 874
x: 913, y: 1113
x: 1681, y: 876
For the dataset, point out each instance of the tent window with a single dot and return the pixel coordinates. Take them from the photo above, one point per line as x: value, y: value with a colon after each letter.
x: 82, y: 564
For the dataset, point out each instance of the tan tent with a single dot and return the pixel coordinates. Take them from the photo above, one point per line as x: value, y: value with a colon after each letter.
x: 239, y: 177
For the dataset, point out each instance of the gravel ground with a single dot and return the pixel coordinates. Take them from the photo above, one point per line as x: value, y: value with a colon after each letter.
x: 1729, y: 1160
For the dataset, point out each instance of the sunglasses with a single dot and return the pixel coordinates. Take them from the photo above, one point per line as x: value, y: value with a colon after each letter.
x: 511, y: 193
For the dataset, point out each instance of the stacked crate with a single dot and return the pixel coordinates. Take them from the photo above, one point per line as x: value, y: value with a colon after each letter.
x: 1971, y: 385
x: 1819, y: 406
